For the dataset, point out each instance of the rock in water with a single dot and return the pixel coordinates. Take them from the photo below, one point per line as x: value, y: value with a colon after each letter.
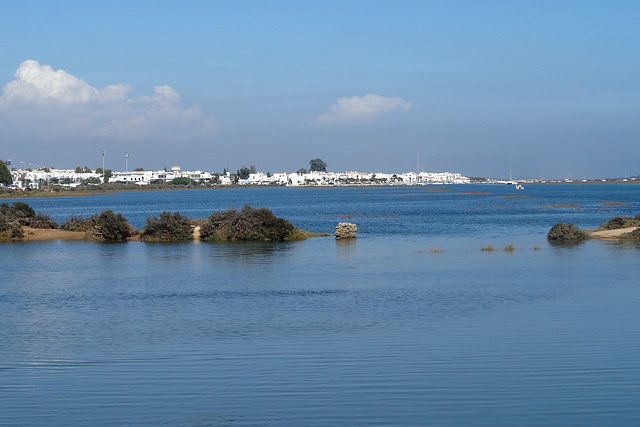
x: 346, y: 230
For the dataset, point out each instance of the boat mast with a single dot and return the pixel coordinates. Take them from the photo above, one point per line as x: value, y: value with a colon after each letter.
x: 510, y: 179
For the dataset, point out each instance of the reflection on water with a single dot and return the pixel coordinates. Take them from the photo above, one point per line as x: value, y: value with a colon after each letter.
x: 566, y: 243
x: 346, y: 247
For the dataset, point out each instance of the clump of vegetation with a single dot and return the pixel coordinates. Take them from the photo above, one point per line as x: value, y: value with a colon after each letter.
x: 76, y: 223
x: 182, y: 181
x: 509, y: 248
x: 249, y: 223
x: 488, y: 248
x: 43, y: 221
x: 167, y: 227
x: 618, y: 222
x: 17, y: 211
x: 10, y: 230
x: 109, y: 226
x: 24, y: 216
x: 568, y: 231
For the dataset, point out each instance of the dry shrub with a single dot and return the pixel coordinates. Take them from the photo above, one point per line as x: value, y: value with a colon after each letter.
x: 567, y: 231
x: 618, y: 222
x: 249, y: 223
x: 76, y: 223
x: 168, y: 227
x: 109, y: 226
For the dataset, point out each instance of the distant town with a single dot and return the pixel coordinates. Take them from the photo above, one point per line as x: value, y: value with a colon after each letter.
x: 28, y: 178
x: 70, y: 178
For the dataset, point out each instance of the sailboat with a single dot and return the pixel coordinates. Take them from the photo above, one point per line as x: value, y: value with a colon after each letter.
x: 511, y: 181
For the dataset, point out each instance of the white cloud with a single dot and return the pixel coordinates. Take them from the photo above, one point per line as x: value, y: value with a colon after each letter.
x: 354, y: 109
x: 67, y: 106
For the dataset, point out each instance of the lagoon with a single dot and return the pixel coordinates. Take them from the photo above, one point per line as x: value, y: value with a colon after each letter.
x: 382, y: 330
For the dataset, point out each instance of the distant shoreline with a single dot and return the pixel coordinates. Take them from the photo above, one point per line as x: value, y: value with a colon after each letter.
x: 17, y: 194
x: 593, y: 182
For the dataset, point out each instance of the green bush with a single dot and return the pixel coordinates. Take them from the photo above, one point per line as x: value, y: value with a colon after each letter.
x: 18, y: 211
x: 10, y: 229
x: 109, y: 226
x: 76, y: 223
x: 42, y: 220
x: 568, y: 231
x: 20, y: 214
x: 167, y: 228
x: 618, y: 222
x: 247, y: 224
x: 181, y: 181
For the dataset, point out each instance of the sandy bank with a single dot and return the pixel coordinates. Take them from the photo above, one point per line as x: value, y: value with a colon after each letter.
x: 36, y: 234
x: 610, y: 234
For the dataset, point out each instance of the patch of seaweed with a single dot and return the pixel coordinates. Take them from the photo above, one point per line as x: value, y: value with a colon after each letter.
x: 615, y: 204
x: 563, y: 205
x: 516, y: 196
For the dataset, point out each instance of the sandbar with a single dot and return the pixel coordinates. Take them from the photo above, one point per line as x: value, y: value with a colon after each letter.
x: 610, y: 234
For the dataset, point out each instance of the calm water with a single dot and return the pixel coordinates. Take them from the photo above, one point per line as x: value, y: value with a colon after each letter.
x: 377, y: 331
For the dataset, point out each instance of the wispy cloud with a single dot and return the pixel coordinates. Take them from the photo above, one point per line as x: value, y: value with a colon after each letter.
x: 45, y: 101
x: 357, y: 109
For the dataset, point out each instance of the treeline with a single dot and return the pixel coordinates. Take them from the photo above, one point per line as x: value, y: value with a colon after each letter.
x: 248, y: 223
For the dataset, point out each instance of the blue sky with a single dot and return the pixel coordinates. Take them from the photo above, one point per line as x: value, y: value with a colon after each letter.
x: 551, y: 86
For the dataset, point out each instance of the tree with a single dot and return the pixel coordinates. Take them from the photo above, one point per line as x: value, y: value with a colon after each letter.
x: 138, y: 170
x: 302, y: 171
x: 317, y: 165
x: 183, y: 180
x: 5, y: 174
x: 244, y: 172
x: 107, y: 173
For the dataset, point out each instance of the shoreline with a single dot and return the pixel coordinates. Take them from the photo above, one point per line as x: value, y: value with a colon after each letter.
x: 19, y: 194
x: 47, y: 235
